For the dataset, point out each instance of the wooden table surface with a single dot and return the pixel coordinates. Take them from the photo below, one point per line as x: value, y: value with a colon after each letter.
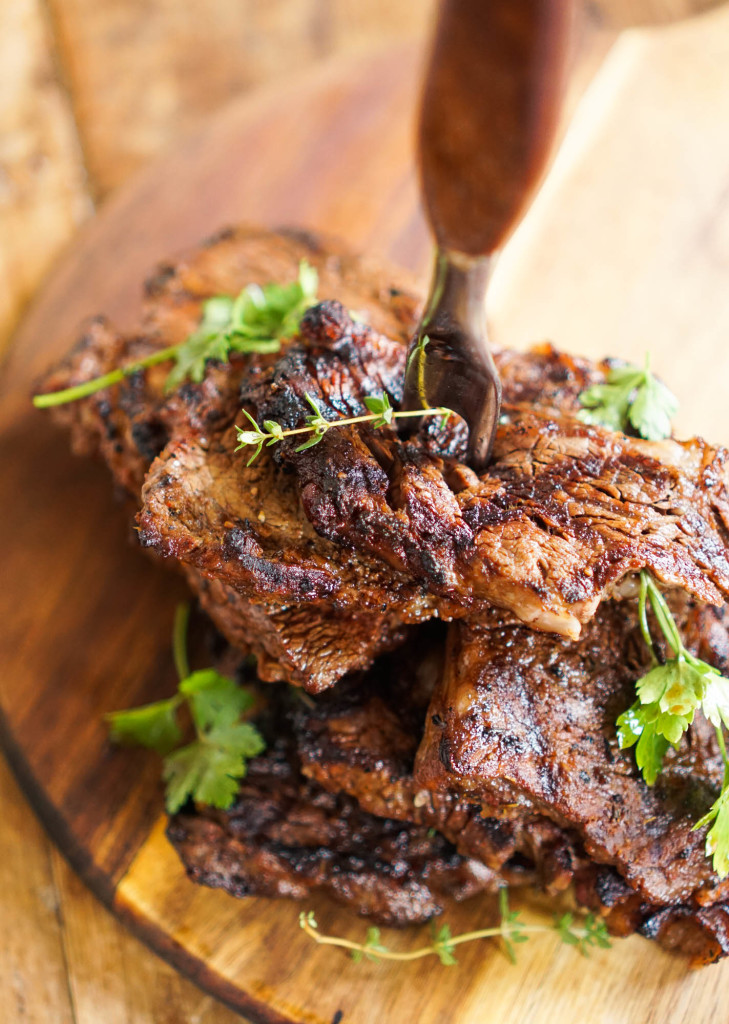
x: 90, y: 90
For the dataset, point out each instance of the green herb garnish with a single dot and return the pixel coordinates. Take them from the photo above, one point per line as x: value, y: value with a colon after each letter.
x: 588, y: 933
x: 209, y: 768
x: 418, y: 355
x: 255, y: 321
x: 669, y: 695
x: 381, y: 414
x: 634, y: 397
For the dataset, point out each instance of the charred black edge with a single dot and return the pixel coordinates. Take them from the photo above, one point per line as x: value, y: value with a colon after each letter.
x: 104, y: 887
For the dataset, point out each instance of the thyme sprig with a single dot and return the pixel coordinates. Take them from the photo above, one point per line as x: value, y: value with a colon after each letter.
x: 256, y: 320
x: 668, y: 697
x: 589, y: 932
x: 631, y: 396
x: 209, y: 768
x: 381, y: 413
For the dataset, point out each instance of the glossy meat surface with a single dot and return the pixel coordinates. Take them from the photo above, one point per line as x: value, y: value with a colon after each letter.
x: 564, y: 511
x: 129, y: 424
x: 528, y: 721
x: 285, y: 836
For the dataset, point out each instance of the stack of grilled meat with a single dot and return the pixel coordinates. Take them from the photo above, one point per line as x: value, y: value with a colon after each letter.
x: 463, y: 643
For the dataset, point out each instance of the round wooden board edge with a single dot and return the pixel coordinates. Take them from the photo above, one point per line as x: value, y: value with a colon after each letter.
x: 51, y: 818
x: 98, y: 884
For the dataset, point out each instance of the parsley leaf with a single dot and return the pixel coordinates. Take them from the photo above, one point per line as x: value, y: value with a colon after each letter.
x: 205, y: 771
x: 717, y: 839
x: 255, y: 321
x: 637, y: 725
x: 669, y: 695
x: 209, y: 768
x: 152, y: 725
x: 634, y: 397
x: 214, y: 700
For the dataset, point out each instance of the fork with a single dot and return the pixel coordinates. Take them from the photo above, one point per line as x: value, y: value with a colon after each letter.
x: 488, y: 118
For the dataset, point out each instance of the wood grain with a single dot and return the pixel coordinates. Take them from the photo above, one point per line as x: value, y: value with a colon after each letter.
x: 43, y: 194
x: 86, y: 619
x: 643, y: 160
x: 146, y: 72
x: 33, y: 976
x: 112, y: 977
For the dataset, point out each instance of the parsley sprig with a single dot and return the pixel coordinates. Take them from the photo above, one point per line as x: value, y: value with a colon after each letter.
x: 631, y: 396
x: 588, y: 933
x: 668, y: 697
x: 256, y: 320
x: 381, y: 414
x: 209, y: 768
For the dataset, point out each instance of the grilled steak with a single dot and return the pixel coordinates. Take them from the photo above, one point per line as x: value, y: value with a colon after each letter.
x: 286, y: 836
x: 528, y: 721
x: 130, y: 423
x: 243, y: 528
x: 361, y: 739
x: 314, y: 609
x: 698, y: 932
x: 322, y: 561
x: 564, y: 511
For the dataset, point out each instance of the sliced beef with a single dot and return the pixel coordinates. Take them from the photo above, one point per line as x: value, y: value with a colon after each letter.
x: 361, y: 739
x: 304, y: 645
x: 243, y: 529
x: 698, y: 932
x: 528, y: 721
x: 286, y: 836
x: 130, y: 423
x: 313, y: 610
x: 564, y: 511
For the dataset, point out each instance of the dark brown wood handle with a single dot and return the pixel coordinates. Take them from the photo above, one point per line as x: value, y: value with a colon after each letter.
x: 490, y: 108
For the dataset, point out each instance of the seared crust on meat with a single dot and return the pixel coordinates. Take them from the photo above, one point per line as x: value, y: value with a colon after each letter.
x: 528, y: 721
x: 698, y: 932
x: 361, y: 739
x: 285, y: 836
x: 564, y: 511
x: 129, y: 424
x: 320, y: 562
x: 308, y: 647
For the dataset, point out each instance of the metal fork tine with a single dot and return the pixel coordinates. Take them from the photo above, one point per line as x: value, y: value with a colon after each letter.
x: 449, y: 362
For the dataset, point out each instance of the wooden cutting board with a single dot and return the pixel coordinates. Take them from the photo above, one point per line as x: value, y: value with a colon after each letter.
x: 626, y: 248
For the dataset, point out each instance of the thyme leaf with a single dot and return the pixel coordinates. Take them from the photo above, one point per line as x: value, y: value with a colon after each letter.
x: 381, y: 413
x: 588, y: 933
x: 668, y: 697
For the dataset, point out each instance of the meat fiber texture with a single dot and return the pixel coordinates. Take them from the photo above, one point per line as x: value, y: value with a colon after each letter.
x: 515, y: 761
x: 322, y: 561
x: 286, y: 836
x: 129, y: 424
x: 563, y: 512
x: 375, y: 533
x: 340, y: 802
x: 526, y: 723
x: 404, y: 530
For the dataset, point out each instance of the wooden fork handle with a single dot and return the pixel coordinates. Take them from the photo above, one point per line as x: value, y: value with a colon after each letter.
x: 489, y: 112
